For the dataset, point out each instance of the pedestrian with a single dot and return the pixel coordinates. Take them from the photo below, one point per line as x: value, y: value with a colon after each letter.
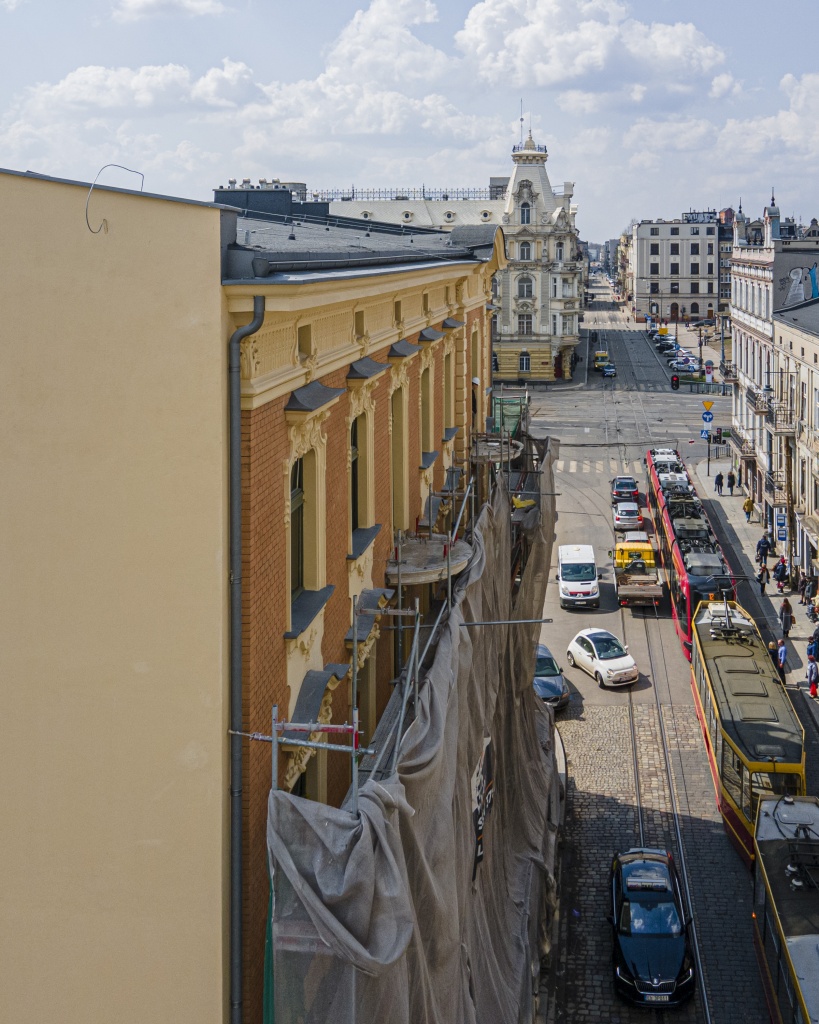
x: 762, y: 577
x: 731, y: 480
x: 813, y: 676
x: 803, y: 579
x: 780, y: 574
x: 748, y: 507
x: 763, y: 549
x: 785, y: 617
x: 782, y: 659
x: 810, y: 589
x: 718, y: 481
x: 773, y: 655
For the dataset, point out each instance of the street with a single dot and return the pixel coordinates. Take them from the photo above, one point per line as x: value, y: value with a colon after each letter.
x: 618, y: 763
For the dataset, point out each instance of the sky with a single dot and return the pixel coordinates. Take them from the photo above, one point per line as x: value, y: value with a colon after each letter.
x: 651, y: 107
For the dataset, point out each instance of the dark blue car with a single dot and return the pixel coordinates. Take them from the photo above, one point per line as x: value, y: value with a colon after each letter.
x: 549, y: 683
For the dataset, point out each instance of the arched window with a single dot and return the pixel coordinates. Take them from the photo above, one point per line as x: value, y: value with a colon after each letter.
x: 695, y: 308
x: 524, y: 287
x: 525, y: 251
x: 525, y: 213
x: 524, y: 362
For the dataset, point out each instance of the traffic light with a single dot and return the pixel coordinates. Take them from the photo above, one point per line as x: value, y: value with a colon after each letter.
x: 675, y: 383
x: 718, y: 435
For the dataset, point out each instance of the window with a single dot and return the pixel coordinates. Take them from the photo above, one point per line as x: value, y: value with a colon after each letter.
x: 426, y: 411
x: 449, y: 419
x: 709, y: 231
x: 710, y: 287
x: 695, y: 248
x: 304, y: 335
x: 524, y: 362
x: 675, y: 268
x: 354, y: 476
x: 695, y: 269
x: 695, y: 308
x: 695, y: 287
x: 297, y: 529
x: 525, y: 213
x: 525, y: 251
x: 398, y: 466
x: 524, y: 288
x: 654, y: 249
x: 554, y: 287
x: 654, y: 231
x: 359, y: 323
x: 554, y: 323
x: 710, y: 268
x: 710, y: 248
x: 559, y: 252
x: 425, y: 301
x: 675, y: 287
x: 396, y: 306
x: 567, y: 325
x: 675, y: 248
x: 675, y: 231
x: 525, y: 323
x: 654, y: 268
x: 654, y: 287
x: 694, y: 231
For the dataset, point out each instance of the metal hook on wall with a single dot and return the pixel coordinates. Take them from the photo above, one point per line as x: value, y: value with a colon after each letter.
x: 104, y: 224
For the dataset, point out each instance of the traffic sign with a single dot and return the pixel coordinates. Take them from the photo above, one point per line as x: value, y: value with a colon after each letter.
x: 781, y: 534
x: 704, y: 434
x: 707, y: 417
x: 707, y: 405
x: 780, y: 518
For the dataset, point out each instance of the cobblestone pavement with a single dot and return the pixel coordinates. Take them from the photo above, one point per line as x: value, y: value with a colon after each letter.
x: 601, y: 819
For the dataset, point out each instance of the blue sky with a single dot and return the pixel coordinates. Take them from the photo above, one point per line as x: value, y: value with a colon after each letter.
x: 651, y: 107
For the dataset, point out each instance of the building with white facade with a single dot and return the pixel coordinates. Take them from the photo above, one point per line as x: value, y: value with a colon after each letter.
x: 673, y: 272
x: 539, y: 295
x: 775, y: 373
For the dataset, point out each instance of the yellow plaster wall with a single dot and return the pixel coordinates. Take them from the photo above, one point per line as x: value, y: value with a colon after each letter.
x: 113, y: 656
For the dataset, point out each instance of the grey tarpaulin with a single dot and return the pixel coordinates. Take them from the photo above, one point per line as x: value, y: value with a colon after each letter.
x: 389, y: 917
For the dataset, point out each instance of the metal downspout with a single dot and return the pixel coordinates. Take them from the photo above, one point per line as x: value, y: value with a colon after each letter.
x: 235, y: 485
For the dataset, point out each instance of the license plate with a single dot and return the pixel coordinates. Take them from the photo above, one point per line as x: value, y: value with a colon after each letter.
x: 656, y: 999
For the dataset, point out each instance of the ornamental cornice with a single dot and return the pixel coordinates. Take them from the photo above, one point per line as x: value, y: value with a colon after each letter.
x: 361, y: 398
x: 305, y: 434
x: 399, y: 376
x: 427, y: 357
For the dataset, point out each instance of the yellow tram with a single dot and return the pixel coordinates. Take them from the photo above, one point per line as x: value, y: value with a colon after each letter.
x: 786, y: 906
x: 755, y: 742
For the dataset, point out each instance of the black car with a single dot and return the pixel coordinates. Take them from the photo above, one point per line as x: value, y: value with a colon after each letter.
x: 653, y: 961
x: 624, y: 488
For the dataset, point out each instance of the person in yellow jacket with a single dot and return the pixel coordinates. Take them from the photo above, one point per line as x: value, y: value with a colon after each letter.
x: 748, y: 508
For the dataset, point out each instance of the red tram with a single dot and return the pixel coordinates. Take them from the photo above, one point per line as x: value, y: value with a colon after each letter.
x: 690, y: 552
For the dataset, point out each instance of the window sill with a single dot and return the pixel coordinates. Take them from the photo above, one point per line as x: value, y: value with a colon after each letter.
x: 428, y: 459
x: 305, y: 608
x: 362, y: 539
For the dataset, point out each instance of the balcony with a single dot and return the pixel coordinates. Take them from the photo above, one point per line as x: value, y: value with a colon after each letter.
x: 743, y: 442
x: 757, y: 400
x: 775, y: 486
x: 782, y: 417
x: 729, y: 372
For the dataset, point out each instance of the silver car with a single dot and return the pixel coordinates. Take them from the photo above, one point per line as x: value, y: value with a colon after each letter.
x: 626, y: 515
x: 549, y: 683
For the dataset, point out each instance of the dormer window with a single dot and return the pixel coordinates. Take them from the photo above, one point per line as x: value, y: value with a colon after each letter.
x: 525, y: 213
x: 525, y: 251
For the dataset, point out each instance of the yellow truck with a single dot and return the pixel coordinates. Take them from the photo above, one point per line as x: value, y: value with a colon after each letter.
x: 636, y: 573
x: 601, y: 358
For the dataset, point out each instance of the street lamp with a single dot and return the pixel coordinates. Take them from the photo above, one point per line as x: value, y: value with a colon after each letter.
x: 768, y: 391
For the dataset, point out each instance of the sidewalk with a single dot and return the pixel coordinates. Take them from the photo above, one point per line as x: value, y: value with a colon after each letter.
x: 739, y: 540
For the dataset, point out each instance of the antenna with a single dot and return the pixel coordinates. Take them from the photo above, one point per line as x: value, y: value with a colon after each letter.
x: 521, y: 121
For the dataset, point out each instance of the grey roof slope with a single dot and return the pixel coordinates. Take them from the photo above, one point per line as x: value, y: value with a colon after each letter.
x: 805, y: 316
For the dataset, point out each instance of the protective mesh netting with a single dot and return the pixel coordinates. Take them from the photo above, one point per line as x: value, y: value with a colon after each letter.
x: 393, y: 916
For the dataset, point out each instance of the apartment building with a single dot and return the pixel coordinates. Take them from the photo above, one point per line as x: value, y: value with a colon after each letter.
x: 773, y: 293
x: 539, y: 294
x: 674, y: 267
x: 216, y: 419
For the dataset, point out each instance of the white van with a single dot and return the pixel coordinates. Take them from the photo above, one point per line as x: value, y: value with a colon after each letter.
x: 577, y: 576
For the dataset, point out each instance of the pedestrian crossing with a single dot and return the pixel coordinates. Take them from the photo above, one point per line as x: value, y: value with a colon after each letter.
x: 616, y: 467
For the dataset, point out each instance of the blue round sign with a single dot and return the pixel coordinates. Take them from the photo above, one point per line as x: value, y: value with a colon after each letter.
x: 707, y: 417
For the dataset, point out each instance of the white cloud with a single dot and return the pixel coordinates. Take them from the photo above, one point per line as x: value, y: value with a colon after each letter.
x: 10, y: 5
x: 724, y: 85
x: 134, y: 10
x: 554, y: 42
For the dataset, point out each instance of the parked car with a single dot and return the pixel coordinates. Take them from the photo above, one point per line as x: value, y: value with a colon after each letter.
x: 653, y: 962
x: 604, y: 657
x: 688, y: 365
x: 609, y: 370
x: 626, y: 516
x: 549, y: 683
x: 702, y: 323
x: 624, y: 488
